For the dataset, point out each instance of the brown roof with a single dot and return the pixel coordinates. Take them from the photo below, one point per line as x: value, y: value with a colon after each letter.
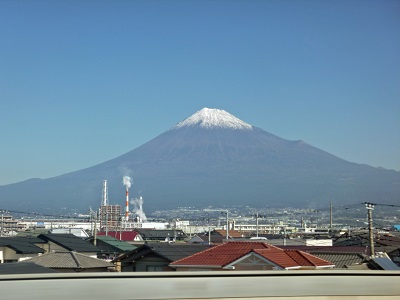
x: 231, y: 233
x: 225, y: 254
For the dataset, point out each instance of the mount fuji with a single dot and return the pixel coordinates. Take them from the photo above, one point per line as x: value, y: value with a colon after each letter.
x: 211, y: 158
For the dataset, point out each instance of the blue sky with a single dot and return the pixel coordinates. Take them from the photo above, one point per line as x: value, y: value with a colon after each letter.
x: 82, y: 82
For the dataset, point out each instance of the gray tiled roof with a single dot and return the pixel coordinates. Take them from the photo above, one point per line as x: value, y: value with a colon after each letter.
x: 70, y: 242
x: 340, y: 259
x: 170, y: 251
x: 158, y: 234
x: 69, y: 260
x: 176, y: 251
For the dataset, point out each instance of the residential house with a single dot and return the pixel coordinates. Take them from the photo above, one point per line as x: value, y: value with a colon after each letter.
x: 384, y: 243
x: 79, y: 232
x: 341, y: 260
x: 126, y: 236
x: 156, y: 256
x: 232, y: 234
x: 111, y: 247
x: 249, y: 256
x: 341, y: 256
x: 383, y: 262
x: 13, y: 249
x: 215, y: 237
x: 164, y: 235
x: 67, y: 242
x: 24, y: 268
x: 206, y: 238
x: 71, y: 261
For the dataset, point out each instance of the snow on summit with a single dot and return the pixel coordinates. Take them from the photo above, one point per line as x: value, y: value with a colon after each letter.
x: 213, y: 118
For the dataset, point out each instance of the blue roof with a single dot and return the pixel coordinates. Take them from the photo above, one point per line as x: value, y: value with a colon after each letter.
x: 386, y: 263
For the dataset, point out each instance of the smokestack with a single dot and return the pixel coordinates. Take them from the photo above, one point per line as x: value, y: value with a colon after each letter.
x: 126, y: 180
x: 127, y: 205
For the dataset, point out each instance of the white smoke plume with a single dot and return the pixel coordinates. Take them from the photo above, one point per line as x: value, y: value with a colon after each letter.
x: 138, y: 208
x: 127, y: 181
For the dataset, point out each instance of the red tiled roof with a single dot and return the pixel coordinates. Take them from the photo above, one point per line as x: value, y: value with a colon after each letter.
x: 221, y: 255
x: 123, y: 235
x: 307, y: 260
x: 225, y: 254
x: 278, y: 257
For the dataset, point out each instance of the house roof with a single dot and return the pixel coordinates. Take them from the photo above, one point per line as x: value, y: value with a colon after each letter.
x: 305, y: 259
x: 203, y: 238
x: 169, y: 251
x: 223, y: 254
x: 362, y: 239
x: 22, y: 245
x: 126, y: 236
x: 70, y: 242
x: 384, y: 263
x: 175, y: 251
x: 69, y: 260
x: 24, y: 268
x: 231, y: 233
x: 160, y: 234
x: 227, y: 253
x: 387, y: 240
x: 336, y: 249
x: 341, y: 259
x: 108, y: 243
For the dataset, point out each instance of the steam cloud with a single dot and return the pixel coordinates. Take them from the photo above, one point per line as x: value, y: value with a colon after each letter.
x: 127, y: 181
x: 138, y: 208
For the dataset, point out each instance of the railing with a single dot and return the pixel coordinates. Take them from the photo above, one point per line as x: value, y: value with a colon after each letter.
x: 315, y: 285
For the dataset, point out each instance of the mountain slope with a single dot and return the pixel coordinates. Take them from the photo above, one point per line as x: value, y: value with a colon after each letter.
x: 213, y: 158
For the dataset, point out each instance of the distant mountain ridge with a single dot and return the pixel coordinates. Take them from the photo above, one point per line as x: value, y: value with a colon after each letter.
x: 212, y: 158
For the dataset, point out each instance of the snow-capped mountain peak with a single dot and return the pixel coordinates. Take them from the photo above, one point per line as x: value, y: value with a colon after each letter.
x: 213, y: 118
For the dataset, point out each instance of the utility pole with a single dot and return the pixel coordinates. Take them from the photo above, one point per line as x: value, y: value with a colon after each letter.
x: 284, y: 235
x: 2, y: 222
x: 257, y: 215
x: 370, y: 208
x: 257, y: 225
x: 227, y: 220
x: 331, y: 218
x: 95, y: 229
x: 227, y: 225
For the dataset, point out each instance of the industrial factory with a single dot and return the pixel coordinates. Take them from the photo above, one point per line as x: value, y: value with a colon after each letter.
x: 107, y: 218
x: 114, y: 218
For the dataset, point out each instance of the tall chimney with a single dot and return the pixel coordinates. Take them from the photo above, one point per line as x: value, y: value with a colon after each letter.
x: 127, y: 205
